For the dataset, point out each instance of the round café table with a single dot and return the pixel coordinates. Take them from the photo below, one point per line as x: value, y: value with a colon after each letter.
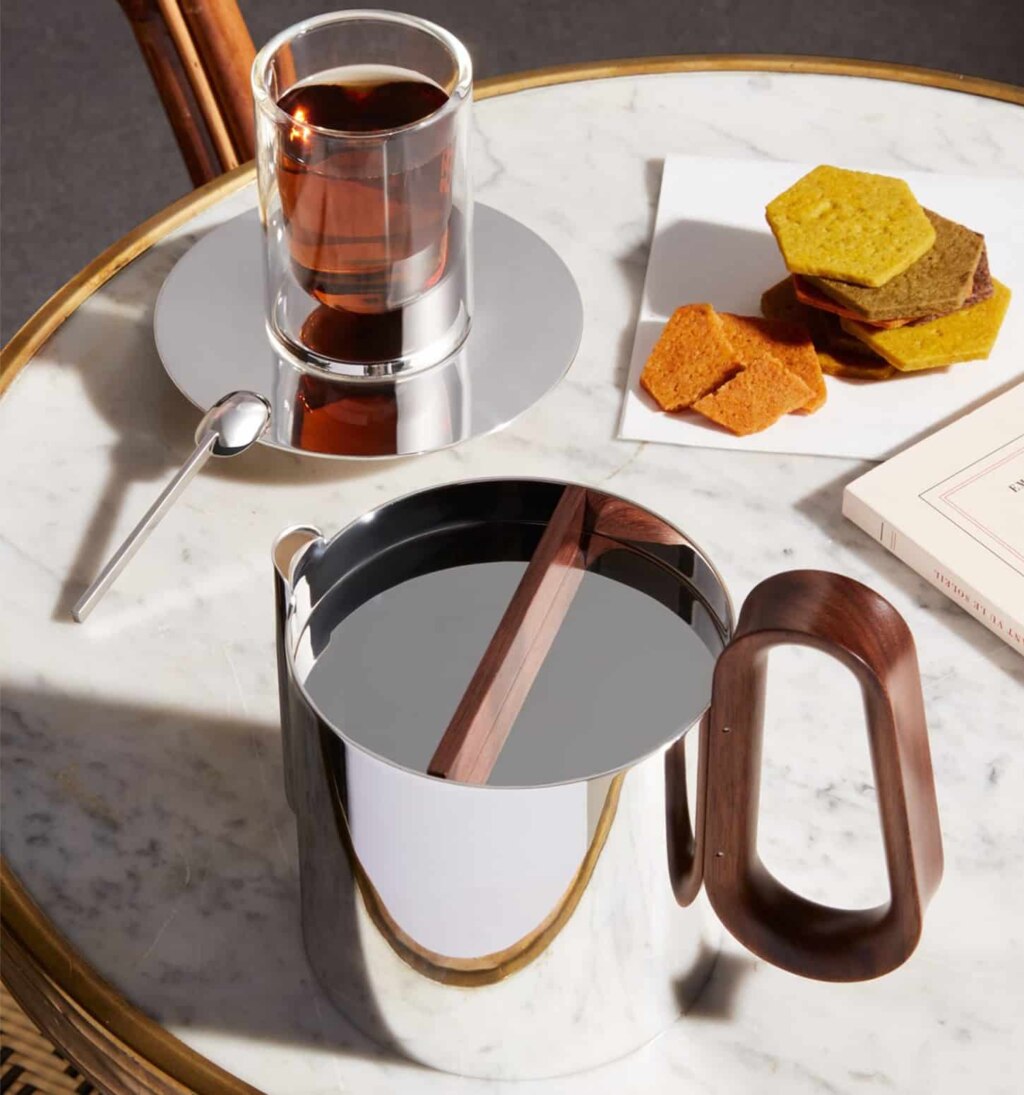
x: 150, y: 879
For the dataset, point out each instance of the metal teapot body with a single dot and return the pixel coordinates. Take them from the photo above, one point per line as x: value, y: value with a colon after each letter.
x: 511, y: 931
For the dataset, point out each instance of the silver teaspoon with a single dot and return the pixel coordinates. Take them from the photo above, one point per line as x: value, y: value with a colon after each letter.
x: 228, y: 428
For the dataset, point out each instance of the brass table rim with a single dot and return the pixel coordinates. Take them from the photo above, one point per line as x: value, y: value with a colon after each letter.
x: 26, y: 928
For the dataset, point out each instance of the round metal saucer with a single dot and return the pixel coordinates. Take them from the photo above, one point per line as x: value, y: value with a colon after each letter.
x: 527, y: 322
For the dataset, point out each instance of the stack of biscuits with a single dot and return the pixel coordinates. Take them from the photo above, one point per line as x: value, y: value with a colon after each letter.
x: 882, y: 284
x: 878, y: 286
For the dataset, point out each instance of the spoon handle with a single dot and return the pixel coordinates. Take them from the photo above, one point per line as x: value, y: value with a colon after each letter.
x: 119, y: 560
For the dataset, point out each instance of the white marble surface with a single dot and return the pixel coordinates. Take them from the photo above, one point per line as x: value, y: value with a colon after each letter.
x: 142, y: 799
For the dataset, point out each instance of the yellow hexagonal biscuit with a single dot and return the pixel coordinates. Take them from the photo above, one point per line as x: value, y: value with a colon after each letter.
x: 849, y: 225
x: 963, y: 336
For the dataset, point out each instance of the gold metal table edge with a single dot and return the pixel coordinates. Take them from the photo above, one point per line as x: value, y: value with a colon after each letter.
x: 24, y: 923
x: 750, y: 62
x: 87, y: 1017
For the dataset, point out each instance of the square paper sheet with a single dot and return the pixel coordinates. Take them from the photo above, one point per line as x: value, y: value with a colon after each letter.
x: 712, y: 243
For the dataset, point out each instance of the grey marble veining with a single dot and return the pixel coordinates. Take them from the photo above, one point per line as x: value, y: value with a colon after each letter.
x: 142, y: 797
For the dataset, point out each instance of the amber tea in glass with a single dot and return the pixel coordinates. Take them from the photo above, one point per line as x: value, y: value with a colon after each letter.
x: 363, y: 236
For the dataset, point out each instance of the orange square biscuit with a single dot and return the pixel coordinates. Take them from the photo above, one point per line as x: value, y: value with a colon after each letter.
x: 755, y: 339
x: 691, y: 358
x: 755, y: 398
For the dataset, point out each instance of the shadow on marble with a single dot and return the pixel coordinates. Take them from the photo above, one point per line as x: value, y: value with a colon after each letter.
x: 824, y: 507
x: 154, y: 421
x: 716, y: 998
x: 155, y: 427
x: 722, y: 976
x: 653, y: 170
x: 160, y: 844
x: 633, y: 267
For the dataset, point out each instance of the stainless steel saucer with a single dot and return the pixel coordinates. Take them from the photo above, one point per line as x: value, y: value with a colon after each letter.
x: 527, y: 323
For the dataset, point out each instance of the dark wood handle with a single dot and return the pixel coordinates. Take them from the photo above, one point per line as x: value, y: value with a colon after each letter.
x: 863, y: 631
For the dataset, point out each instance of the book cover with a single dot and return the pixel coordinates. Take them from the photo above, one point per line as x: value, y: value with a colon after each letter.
x: 952, y: 507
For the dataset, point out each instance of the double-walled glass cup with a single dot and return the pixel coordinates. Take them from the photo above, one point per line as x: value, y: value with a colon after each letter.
x: 362, y: 123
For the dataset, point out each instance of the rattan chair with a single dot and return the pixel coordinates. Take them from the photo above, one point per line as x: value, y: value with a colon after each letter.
x: 199, y: 53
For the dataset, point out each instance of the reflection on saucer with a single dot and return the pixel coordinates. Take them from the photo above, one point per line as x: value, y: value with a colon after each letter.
x: 212, y: 337
x: 334, y: 417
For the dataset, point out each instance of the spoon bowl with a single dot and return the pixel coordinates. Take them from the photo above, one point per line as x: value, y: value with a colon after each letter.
x: 235, y: 422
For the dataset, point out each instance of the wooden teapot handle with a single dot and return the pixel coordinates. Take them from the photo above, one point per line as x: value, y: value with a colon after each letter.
x: 864, y: 632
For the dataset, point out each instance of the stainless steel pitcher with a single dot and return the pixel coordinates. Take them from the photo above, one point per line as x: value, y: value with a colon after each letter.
x: 560, y: 916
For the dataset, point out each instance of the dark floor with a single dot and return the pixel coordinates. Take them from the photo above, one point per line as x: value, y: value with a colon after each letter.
x: 87, y: 154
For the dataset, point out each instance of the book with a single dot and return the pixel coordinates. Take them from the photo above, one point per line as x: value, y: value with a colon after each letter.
x: 952, y: 507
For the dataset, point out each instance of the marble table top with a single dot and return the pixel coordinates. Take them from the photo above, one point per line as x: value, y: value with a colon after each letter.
x: 142, y: 797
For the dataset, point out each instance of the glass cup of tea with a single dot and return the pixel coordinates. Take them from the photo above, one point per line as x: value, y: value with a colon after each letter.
x: 362, y: 122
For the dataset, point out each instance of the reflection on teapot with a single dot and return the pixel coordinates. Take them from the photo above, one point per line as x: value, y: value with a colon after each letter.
x: 338, y: 416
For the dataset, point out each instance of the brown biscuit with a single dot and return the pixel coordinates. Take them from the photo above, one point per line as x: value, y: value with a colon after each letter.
x: 982, y: 287
x: 755, y: 397
x: 839, y: 353
x: 756, y: 339
x: 849, y: 366
x: 844, y: 345
x: 808, y: 293
x: 779, y: 302
x: 691, y: 358
x: 937, y: 284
